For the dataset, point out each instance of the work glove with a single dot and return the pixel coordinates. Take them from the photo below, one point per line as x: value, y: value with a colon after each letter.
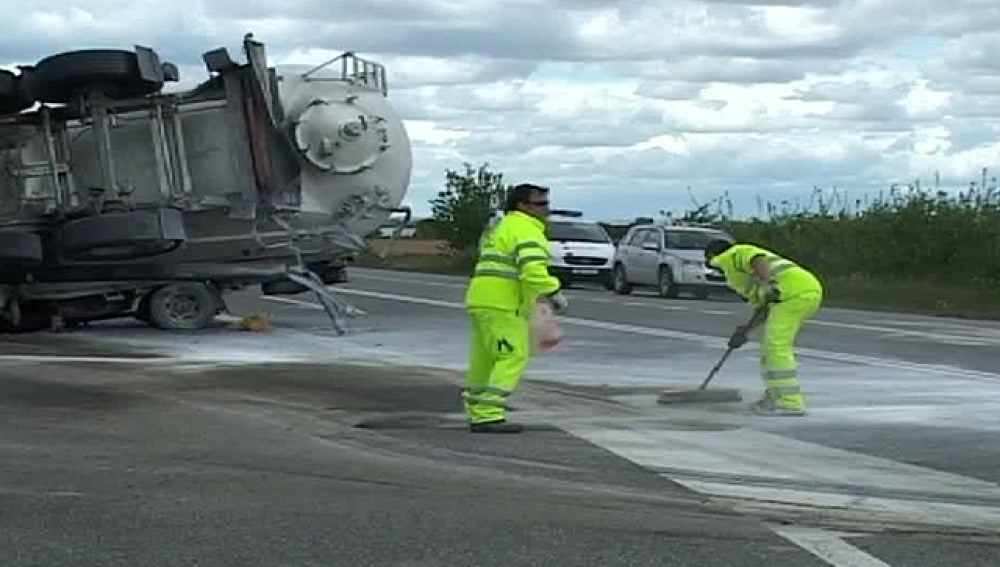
x: 738, y: 338
x: 767, y: 293
x: 559, y: 302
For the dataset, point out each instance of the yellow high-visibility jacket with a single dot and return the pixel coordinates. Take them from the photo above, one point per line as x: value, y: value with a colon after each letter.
x: 513, y: 266
x: 791, y: 278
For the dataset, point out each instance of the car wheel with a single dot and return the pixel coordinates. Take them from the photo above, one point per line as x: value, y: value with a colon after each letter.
x: 621, y: 285
x: 666, y: 286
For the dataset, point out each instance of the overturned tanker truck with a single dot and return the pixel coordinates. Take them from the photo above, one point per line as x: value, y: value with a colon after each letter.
x: 120, y: 199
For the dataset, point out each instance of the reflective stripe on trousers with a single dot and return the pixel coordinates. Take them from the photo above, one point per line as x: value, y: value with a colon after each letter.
x: 499, y: 346
x: 778, y: 366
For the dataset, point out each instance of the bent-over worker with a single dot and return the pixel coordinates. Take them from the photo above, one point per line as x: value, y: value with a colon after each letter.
x: 784, y: 295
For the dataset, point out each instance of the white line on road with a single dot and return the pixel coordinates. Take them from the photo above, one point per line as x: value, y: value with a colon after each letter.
x: 713, y: 342
x: 421, y: 281
x: 828, y: 547
x: 64, y: 359
x: 290, y: 301
x: 975, y: 336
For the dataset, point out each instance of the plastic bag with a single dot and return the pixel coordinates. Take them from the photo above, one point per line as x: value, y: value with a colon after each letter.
x: 545, y: 332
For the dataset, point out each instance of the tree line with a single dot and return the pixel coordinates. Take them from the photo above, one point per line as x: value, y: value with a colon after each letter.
x: 906, y: 231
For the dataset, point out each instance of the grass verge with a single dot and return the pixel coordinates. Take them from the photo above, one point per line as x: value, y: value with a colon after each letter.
x: 855, y: 292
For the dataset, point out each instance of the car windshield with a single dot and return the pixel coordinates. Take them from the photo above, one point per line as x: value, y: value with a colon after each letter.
x: 693, y: 239
x: 577, y: 232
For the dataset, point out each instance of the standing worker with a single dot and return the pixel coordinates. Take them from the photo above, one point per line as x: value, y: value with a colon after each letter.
x: 511, y: 275
x: 784, y: 295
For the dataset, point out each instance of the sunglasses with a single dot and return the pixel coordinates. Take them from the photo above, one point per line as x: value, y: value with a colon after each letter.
x: 539, y: 203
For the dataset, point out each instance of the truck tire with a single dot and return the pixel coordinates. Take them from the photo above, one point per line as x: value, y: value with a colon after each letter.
x: 114, y: 72
x: 11, y: 98
x: 183, y: 306
x: 20, y: 251
x: 282, y: 287
x: 123, y: 235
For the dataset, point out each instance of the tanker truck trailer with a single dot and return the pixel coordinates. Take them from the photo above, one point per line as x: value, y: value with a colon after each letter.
x: 120, y: 197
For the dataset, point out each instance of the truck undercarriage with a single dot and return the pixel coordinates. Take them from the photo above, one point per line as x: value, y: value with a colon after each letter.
x: 118, y: 199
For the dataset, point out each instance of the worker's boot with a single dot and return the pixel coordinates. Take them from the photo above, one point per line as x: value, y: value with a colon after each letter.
x: 501, y: 426
x: 770, y: 406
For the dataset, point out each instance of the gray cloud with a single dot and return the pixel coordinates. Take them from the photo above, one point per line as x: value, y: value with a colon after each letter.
x: 758, y: 97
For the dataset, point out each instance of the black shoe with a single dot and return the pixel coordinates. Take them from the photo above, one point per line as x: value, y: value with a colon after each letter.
x: 500, y: 426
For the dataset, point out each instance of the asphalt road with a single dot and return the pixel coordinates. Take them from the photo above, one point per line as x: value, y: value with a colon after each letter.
x: 227, y: 448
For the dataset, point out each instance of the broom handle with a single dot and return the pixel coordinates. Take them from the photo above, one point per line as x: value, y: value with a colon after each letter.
x: 758, y: 313
x: 718, y: 365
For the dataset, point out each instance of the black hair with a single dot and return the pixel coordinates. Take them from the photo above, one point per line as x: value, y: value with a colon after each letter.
x: 716, y: 247
x: 520, y: 194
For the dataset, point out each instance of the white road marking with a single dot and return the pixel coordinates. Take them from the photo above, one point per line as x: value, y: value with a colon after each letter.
x: 297, y: 302
x: 828, y: 547
x: 974, y: 336
x: 758, y: 470
x: 713, y: 342
x: 421, y: 281
x: 971, y: 340
x: 64, y: 359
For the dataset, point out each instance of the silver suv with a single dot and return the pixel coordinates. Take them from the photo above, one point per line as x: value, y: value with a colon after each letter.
x: 670, y: 258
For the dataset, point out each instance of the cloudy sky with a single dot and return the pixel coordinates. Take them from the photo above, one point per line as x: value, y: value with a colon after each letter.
x: 622, y: 107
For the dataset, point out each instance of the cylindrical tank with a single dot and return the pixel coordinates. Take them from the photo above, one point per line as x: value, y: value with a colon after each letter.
x: 355, y: 153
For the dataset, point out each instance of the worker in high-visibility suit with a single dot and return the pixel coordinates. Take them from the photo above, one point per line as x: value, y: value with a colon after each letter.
x: 784, y: 295
x: 510, y: 276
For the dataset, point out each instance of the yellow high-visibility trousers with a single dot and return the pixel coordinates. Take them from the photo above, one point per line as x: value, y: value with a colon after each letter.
x: 778, y: 367
x: 499, y: 350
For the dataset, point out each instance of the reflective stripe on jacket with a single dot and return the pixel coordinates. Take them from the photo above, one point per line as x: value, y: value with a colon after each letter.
x: 513, y: 265
x: 791, y: 278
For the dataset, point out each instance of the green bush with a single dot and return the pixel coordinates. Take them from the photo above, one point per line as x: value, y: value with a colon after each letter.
x: 905, y: 233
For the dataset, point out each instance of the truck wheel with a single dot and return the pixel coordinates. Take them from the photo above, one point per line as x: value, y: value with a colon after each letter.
x: 666, y: 285
x: 621, y: 285
x: 114, y: 72
x: 282, y: 287
x: 182, y: 306
x: 11, y: 98
x: 20, y: 252
x: 123, y: 235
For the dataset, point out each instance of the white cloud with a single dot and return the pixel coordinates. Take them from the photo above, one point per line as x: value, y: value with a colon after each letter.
x: 619, y: 105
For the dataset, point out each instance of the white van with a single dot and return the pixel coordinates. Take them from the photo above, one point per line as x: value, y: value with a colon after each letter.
x: 581, y: 251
